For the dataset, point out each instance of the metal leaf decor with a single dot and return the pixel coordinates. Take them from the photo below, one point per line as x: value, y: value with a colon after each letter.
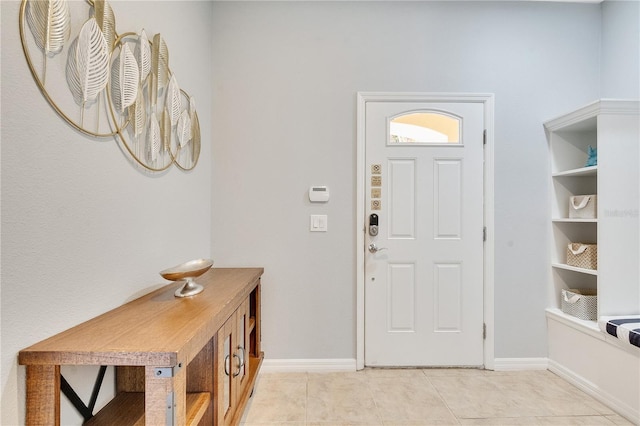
x: 159, y: 67
x: 106, y: 21
x: 88, y: 67
x: 143, y: 55
x: 195, y: 139
x: 50, y: 24
x: 49, y: 21
x: 165, y: 127
x: 153, y: 137
x: 125, y: 79
x: 138, y: 115
x: 173, y: 100
x: 192, y: 107
x: 153, y: 119
x: 73, y: 78
x: 183, y: 129
x: 195, y: 131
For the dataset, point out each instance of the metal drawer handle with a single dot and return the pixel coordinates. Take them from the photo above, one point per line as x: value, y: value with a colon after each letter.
x: 244, y: 359
x: 237, y: 373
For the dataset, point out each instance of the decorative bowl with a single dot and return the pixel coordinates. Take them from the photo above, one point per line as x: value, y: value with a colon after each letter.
x: 188, y: 271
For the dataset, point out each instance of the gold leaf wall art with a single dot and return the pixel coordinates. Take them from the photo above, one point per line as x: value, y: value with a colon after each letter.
x: 165, y: 128
x: 183, y: 129
x: 159, y: 68
x: 125, y: 79
x: 143, y: 55
x: 50, y: 24
x: 146, y: 111
x: 138, y: 114
x: 173, y: 100
x: 154, y: 139
x: 106, y: 21
x: 195, y: 132
x: 89, y: 65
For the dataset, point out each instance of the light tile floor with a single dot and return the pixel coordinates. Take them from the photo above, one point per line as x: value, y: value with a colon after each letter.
x: 423, y: 397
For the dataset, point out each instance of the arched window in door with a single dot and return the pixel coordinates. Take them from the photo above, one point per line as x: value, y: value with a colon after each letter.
x: 425, y: 127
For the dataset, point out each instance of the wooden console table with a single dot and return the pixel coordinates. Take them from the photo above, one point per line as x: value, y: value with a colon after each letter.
x: 179, y: 361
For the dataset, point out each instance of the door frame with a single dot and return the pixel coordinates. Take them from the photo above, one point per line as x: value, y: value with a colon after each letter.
x: 487, y: 99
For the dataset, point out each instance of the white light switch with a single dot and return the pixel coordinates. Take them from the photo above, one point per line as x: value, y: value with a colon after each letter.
x: 318, y: 223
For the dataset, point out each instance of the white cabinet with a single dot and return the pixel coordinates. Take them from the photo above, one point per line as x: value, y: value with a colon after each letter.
x: 612, y: 127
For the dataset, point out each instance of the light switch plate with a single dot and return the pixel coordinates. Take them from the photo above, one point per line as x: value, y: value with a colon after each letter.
x: 318, y: 223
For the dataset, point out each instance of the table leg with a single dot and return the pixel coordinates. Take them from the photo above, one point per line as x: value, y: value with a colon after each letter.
x: 43, y: 395
x: 165, y: 396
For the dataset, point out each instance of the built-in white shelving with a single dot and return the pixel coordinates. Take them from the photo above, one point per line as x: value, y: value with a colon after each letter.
x: 582, y: 171
x: 577, y: 349
x: 611, y: 127
x: 575, y: 269
x: 566, y: 220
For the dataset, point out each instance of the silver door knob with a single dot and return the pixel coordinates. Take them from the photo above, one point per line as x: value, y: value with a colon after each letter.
x: 373, y: 248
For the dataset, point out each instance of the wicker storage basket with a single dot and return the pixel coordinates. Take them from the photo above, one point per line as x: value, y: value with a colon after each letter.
x: 581, y: 303
x: 582, y: 255
x: 583, y: 207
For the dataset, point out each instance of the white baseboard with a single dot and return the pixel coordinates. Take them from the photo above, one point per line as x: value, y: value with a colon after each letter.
x: 307, y: 365
x: 518, y: 364
x: 595, y: 391
x: 347, y: 364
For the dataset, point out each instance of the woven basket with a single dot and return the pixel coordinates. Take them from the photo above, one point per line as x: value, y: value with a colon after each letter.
x: 582, y: 255
x: 583, y: 207
x: 581, y: 304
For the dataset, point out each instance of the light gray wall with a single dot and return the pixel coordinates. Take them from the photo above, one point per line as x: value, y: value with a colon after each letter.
x: 82, y: 229
x: 621, y: 49
x: 286, y: 76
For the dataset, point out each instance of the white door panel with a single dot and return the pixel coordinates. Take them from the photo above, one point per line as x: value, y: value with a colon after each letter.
x: 424, y: 288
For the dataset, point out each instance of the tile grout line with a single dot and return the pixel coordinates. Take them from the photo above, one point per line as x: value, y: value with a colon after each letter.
x: 444, y: 401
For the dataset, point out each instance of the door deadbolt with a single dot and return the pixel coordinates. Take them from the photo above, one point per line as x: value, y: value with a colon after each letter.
x: 373, y: 224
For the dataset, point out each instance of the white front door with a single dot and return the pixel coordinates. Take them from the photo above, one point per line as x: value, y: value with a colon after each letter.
x: 423, y: 287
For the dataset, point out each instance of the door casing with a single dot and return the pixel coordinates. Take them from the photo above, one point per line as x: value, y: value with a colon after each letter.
x: 487, y: 100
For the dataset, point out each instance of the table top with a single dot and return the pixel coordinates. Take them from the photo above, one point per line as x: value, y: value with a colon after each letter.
x: 157, y: 329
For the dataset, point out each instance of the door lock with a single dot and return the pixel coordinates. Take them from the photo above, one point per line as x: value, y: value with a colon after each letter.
x: 373, y: 224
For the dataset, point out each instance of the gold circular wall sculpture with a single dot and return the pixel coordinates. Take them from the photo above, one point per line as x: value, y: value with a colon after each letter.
x: 117, y: 86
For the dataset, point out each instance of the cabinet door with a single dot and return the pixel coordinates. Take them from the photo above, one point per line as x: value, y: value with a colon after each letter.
x: 242, y: 348
x: 225, y: 360
x: 233, y: 363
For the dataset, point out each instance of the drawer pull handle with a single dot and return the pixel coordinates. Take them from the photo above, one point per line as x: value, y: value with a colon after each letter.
x: 237, y: 373
x: 244, y: 359
x: 226, y: 364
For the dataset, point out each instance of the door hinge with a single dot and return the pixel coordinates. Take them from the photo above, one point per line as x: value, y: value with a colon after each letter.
x: 484, y: 233
x: 484, y: 331
x: 484, y: 137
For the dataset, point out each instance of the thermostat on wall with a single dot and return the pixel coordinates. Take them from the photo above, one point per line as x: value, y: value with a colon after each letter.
x: 318, y: 194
